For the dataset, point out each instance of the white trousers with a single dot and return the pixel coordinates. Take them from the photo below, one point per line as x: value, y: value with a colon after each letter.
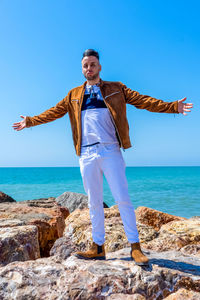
x: 106, y: 159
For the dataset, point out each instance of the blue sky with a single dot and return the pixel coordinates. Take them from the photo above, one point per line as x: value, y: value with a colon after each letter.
x: 151, y: 46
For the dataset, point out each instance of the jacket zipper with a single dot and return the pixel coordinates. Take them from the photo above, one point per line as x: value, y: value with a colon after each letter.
x: 79, y: 116
x: 111, y: 94
x: 112, y: 117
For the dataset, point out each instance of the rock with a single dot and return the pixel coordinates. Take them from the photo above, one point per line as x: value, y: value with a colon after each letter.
x: 183, y: 294
x: 4, y: 223
x: 18, y: 243
x: 64, y: 276
x: 78, y: 229
x: 73, y: 201
x: 177, y: 235
x: 146, y: 233
x: 63, y: 248
x: 74, y: 278
x: 46, y: 203
x: 41, y: 202
x: 49, y: 221
x: 165, y: 242
x: 191, y: 250
x: 186, y: 229
x: 5, y: 198
x: 154, y: 218
x: 194, y: 218
x: 125, y: 297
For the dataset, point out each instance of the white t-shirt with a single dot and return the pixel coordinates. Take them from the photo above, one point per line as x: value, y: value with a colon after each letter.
x: 97, y: 125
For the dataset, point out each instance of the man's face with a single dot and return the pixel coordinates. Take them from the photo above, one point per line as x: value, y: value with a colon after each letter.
x: 90, y: 67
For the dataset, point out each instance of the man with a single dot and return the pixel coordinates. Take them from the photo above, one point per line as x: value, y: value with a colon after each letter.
x: 97, y: 112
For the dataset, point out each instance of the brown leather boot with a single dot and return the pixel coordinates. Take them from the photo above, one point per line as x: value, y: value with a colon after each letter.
x: 95, y: 252
x: 137, y: 255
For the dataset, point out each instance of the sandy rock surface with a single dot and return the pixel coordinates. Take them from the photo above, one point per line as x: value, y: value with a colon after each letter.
x: 73, y: 278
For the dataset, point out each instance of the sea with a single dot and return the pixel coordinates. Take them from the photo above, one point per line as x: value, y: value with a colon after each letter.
x: 174, y: 190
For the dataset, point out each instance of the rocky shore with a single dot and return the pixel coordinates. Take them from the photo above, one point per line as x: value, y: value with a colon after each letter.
x: 39, y: 237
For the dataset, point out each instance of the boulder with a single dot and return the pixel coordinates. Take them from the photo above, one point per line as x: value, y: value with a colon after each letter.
x: 153, y: 217
x: 73, y: 201
x: 18, y: 243
x: 73, y: 278
x: 171, y: 273
x: 78, y: 229
x: 5, y: 198
x: 49, y: 221
x: 177, y: 235
x: 188, y: 229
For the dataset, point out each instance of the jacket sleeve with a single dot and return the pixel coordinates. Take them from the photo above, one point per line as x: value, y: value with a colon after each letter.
x: 148, y: 103
x: 49, y: 115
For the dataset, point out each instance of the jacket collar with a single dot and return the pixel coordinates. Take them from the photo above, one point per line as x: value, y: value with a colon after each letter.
x: 101, y: 83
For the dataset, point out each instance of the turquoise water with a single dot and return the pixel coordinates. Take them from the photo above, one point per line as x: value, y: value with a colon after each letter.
x: 175, y: 190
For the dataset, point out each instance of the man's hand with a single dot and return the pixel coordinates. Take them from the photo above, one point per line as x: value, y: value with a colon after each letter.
x: 20, y: 125
x: 183, y: 107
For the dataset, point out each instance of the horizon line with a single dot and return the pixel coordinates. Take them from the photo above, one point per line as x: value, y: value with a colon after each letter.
x: 154, y: 166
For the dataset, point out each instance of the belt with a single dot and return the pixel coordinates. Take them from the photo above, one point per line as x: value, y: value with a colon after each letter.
x: 91, y: 144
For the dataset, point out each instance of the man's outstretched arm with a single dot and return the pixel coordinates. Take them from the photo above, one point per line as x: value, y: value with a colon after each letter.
x: 153, y: 104
x: 49, y: 115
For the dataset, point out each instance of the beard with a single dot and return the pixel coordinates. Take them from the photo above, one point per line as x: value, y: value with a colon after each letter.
x: 91, y: 77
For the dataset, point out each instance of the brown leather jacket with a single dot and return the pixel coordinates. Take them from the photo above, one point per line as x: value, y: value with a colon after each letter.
x: 116, y: 95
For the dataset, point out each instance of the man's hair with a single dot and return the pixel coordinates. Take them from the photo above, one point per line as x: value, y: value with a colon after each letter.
x: 90, y: 52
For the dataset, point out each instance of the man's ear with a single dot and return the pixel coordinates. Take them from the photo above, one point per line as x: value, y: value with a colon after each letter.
x: 99, y: 67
